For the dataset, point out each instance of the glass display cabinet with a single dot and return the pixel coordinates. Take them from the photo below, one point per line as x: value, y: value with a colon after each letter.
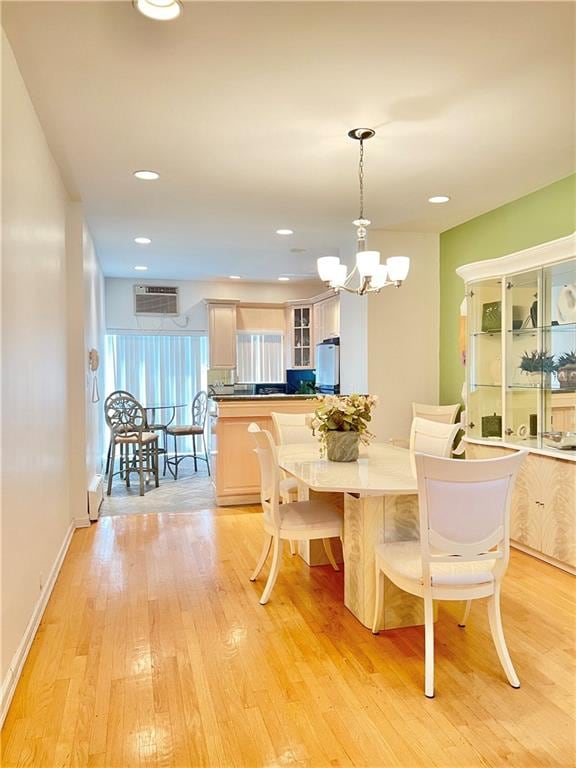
x: 521, y: 350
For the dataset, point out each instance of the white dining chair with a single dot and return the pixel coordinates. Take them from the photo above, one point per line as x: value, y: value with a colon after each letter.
x: 464, y: 545
x: 291, y: 429
x: 446, y: 414
x: 431, y: 437
x: 295, y: 521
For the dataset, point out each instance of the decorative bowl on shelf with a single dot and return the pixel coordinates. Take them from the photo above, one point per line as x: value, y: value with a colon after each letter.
x: 564, y: 441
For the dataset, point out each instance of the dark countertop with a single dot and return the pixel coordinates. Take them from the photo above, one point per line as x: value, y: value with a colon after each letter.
x: 232, y: 398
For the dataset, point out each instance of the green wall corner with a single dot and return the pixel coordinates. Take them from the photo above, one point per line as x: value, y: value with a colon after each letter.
x: 547, y: 214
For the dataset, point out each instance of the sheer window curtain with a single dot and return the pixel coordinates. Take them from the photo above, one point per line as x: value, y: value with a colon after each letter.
x: 260, y: 357
x: 159, y: 370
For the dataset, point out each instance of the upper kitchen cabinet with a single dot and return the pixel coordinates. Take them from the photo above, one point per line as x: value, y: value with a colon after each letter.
x: 301, y: 339
x: 309, y: 324
x: 327, y: 318
x: 222, y: 334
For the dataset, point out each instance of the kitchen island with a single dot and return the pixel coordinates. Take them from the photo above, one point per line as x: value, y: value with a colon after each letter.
x: 234, y: 464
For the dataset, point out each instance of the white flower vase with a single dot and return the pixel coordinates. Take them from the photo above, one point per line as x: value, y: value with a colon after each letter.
x: 342, y: 446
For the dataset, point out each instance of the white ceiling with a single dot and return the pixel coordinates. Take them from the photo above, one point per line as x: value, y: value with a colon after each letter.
x: 243, y: 108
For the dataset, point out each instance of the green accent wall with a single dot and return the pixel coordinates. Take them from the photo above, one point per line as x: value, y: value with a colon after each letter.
x: 544, y: 215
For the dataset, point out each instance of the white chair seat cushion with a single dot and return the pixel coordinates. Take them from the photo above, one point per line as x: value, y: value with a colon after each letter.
x: 147, y: 437
x: 403, y: 557
x: 312, y: 515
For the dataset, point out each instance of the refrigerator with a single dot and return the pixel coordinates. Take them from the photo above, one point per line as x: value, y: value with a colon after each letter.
x: 328, y: 367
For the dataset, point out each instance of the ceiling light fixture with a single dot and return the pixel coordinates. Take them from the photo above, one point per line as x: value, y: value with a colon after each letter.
x: 141, y: 268
x: 147, y: 175
x: 284, y: 231
x: 284, y: 279
x: 159, y: 10
x: 437, y: 199
x: 373, y: 275
x: 234, y: 277
x: 142, y: 240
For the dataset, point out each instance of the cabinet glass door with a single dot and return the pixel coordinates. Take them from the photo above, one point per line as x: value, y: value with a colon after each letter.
x: 559, y: 338
x: 485, y: 359
x: 526, y: 358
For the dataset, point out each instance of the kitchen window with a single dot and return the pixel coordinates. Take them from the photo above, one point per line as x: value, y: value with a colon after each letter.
x: 260, y: 357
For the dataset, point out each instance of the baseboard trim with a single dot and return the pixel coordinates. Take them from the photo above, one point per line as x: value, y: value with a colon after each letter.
x: 81, y: 522
x: 16, y: 665
x: 545, y: 558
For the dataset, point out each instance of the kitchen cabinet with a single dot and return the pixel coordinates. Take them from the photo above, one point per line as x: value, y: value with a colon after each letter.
x: 543, y: 511
x: 326, y: 318
x: 222, y: 334
x: 300, y: 336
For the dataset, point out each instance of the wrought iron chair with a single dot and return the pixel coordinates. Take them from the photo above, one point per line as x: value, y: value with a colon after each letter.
x: 194, y: 430
x: 126, y: 419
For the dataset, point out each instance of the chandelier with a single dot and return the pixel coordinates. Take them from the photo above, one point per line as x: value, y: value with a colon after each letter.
x: 372, y: 275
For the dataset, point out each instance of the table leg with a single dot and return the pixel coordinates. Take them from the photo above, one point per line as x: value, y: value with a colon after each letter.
x: 371, y: 520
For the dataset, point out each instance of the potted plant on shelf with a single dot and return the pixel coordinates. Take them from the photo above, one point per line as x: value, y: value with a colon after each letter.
x: 342, y: 423
x: 537, y: 366
x: 566, y: 370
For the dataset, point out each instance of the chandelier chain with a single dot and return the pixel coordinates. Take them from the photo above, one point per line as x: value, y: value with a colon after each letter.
x: 361, y: 178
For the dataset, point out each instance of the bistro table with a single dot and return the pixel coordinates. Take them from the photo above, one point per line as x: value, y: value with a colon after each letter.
x: 380, y: 504
x: 161, y: 426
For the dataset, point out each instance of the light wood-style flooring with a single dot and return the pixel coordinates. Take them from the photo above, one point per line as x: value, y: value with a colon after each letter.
x: 154, y: 651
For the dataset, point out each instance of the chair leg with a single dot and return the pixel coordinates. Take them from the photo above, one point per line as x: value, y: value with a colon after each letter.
x: 429, y: 647
x: 175, y: 458
x: 293, y: 548
x: 495, y: 620
x: 263, y: 556
x: 274, y: 568
x: 141, y: 467
x: 155, y: 462
x: 462, y: 623
x: 329, y: 554
x: 111, y: 468
x: 379, y: 601
x: 127, y: 466
x: 206, y: 453
x: 108, y: 456
x: 194, y: 452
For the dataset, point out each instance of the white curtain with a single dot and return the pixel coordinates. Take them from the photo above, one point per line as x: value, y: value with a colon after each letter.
x: 159, y: 370
x: 260, y: 357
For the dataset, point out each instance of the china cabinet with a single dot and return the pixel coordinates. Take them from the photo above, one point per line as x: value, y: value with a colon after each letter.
x: 521, y: 385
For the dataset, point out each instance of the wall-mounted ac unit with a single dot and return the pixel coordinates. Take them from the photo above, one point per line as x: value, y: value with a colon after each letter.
x: 155, y: 300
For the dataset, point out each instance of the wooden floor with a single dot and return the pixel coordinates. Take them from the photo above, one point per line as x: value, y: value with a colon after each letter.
x: 154, y: 651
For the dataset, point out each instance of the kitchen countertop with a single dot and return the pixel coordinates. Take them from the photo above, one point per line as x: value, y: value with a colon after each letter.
x: 241, y: 398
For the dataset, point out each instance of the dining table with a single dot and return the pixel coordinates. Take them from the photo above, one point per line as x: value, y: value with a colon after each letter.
x: 380, y: 505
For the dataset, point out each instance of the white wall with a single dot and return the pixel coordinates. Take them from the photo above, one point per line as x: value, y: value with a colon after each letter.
x: 94, y: 329
x: 403, y: 333
x: 35, y: 511
x: 52, y: 311
x: 193, y: 317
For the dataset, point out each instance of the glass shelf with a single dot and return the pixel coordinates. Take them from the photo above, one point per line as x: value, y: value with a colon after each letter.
x: 562, y: 327
x: 492, y: 386
x: 486, y: 333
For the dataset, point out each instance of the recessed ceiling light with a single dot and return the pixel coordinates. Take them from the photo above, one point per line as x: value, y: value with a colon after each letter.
x: 284, y: 279
x: 147, y: 175
x: 159, y: 10
x: 234, y: 277
x: 284, y: 231
x: 439, y: 199
x: 141, y: 268
x: 142, y: 240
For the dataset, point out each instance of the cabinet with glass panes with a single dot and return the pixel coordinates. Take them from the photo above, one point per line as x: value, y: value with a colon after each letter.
x: 301, y: 337
x: 521, y: 349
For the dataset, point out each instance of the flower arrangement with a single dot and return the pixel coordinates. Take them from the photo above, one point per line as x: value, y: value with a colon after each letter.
x: 346, y: 413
